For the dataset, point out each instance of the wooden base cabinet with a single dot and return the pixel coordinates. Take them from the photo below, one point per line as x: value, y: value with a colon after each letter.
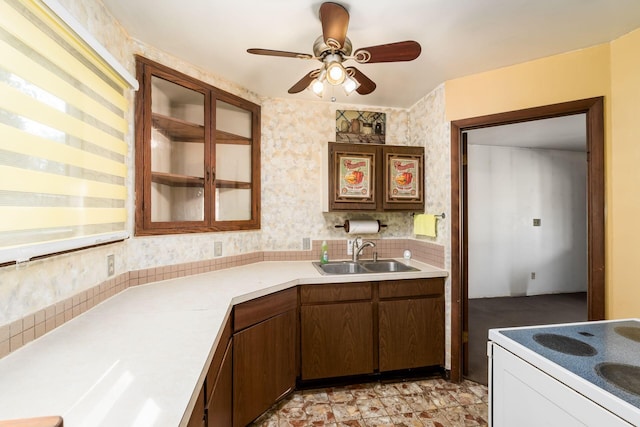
x: 336, y: 330
x: 411, y: 324
x: 213, y: 404
x: 362, y: 328
x: 197, y: 418
x: 337, y: 340
x: 346, y: 329
x: 411, y: 334
x: 219, y: 408
x: 264, y: 354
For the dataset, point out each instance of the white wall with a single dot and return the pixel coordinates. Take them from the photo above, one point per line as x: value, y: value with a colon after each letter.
x: 508, y: 188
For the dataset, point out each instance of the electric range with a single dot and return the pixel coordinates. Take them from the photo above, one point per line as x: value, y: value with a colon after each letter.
x: 599, y: 360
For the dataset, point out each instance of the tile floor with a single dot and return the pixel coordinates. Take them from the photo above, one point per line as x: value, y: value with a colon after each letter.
x: 423, y: 403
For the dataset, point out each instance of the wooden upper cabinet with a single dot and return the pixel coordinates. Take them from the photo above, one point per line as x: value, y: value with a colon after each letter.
x: 197, y: 155
x: 353, y: 176
x: 373, y: 177
x: 403, y: 178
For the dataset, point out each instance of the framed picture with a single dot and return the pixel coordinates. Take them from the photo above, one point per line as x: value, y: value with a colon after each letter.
x: 364, y: 127
x: 403, y: 178
x: 353, y: 176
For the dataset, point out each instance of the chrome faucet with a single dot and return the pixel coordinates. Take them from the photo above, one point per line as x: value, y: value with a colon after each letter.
x: 358, y: 249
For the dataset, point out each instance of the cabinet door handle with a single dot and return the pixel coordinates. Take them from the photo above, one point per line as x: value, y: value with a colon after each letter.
x: 210, y: 174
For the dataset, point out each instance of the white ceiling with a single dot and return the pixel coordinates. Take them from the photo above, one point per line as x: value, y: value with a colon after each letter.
x: 558, y: 133
x: 458, y: 37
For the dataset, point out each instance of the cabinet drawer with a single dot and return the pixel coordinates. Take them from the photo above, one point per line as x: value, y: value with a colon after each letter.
x: 411, y: 288
x: 335, y: 292
x: 257, y: 310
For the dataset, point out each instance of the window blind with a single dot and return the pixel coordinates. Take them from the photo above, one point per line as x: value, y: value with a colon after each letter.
x: 62, y: 127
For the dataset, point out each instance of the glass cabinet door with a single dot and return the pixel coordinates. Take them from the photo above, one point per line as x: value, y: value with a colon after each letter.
x: 197, y: 155
x: 233, y: 152
x: 177, y: 152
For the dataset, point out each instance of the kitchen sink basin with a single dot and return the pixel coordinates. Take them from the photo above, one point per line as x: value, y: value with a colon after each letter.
x: 387, y: 266
x: 340, y: 267
x: 362, y: 267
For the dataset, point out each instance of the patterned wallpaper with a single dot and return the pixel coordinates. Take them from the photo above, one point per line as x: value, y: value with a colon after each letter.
x: 294, y: 136
x: 430, y: 128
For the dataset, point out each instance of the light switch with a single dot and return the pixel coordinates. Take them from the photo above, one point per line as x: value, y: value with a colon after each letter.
x: 536, y: 222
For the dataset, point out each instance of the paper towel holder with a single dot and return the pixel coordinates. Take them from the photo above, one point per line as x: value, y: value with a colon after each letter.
x: 346, y: 225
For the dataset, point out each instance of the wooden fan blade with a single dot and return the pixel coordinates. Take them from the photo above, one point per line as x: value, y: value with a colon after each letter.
x: 392, y: 52
x: 335, y: 21
x: 366, y: 84
x: 270, y: 52
x: 304, y: 82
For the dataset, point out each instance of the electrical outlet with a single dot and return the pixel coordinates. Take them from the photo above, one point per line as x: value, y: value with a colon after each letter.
x: 306, y: 243
x: 350, y: 244
x: 533, y: 275
x: 111, y: 265
x: 537, y: 222
x: 217, y: 248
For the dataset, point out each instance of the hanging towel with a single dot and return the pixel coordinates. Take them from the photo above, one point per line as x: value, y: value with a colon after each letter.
x: 424, y: 224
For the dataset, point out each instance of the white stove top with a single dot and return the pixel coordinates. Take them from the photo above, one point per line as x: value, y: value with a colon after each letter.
x: 601, y: 360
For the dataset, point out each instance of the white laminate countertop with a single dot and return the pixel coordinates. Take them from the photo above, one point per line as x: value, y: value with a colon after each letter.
x: 137, y: 358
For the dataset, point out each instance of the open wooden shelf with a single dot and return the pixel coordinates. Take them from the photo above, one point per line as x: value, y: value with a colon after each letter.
x: 177, y: 129
x: 175, y: 180
x: 183, y: 131
x: 223, y: 137
x: 220, y: 183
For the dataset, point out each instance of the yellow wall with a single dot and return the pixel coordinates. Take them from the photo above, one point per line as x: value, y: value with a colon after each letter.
x: 611, y: 70
x: 567, y: 77
x: 623, y: 176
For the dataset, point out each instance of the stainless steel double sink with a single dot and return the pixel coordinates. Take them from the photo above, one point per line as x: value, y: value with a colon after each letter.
x: 362, y: 267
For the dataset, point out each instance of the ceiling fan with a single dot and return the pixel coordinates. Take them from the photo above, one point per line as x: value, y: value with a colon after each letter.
x: 333, y: 47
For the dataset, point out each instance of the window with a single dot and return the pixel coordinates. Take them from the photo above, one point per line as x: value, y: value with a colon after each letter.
x: 62, y: 127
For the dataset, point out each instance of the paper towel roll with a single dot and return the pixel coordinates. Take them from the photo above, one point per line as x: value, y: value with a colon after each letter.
x: 362, y: 226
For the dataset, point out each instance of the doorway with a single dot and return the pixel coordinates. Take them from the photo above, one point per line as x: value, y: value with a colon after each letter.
x: 594, y: 110
x: 527, y: 233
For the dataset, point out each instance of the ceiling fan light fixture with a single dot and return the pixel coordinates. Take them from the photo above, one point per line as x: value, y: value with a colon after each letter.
x: 336, y: 73
x: 332, y: 48
x: 317, y: 87
x: 350, y: 85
